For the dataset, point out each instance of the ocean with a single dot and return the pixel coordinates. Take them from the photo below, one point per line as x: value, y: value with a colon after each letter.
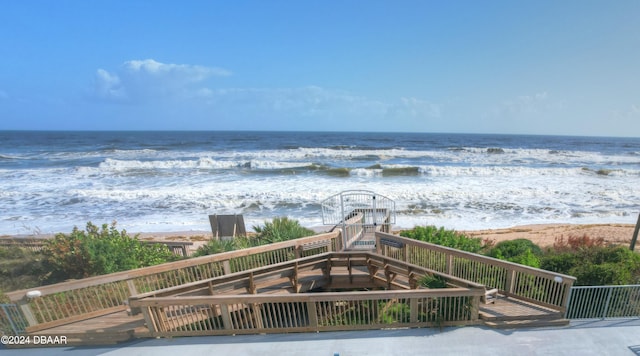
x: 171, y: 181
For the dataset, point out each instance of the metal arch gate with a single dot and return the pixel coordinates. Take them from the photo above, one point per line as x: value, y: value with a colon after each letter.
x: 359, y: 213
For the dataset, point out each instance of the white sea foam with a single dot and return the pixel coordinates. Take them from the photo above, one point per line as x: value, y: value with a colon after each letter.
x: 175, y: 189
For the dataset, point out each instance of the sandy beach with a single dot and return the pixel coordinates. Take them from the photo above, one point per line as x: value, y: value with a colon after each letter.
x: 543, y: 235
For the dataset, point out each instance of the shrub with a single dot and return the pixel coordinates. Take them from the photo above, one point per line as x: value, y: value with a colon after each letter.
x: 19, y: 268
x: 521, y: 251
x: 443, y: 237
x: 574, y: 243
x: 214, y: 246
x: 281, y: 229
x: 601, y: 274
x: 561, y: 262
x: 96, y: 251
x: 596, y: 265
x: 433, y: 281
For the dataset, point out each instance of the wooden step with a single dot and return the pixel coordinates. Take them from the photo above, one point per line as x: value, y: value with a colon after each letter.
x: 517, y: 324
x: 549, y: 316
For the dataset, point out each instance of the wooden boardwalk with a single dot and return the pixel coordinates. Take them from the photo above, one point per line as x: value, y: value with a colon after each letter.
x: 293, y: 267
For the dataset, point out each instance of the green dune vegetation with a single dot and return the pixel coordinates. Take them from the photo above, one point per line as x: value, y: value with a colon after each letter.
x: 102, y: 250
x: 277, y: 230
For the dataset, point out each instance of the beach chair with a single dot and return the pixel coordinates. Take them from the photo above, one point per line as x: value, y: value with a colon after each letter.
x: 226, y: 227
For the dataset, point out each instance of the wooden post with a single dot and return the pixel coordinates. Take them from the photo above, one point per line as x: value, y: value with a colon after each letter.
x: 146, y: 313
x: 511, y: 280
x: 475, y: 307
x: 226, y: 317
x: 132, y: 287
x: 635, y: 235
x: 23, y: 304
x: 449, y: 267
x: 313, y: 315
x: 226, y: 266
x: 413, y: 307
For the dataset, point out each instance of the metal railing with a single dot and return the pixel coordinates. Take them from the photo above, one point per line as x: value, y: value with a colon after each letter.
x: 359, y: 213
x: 602, y: 302
x: 11, y: 320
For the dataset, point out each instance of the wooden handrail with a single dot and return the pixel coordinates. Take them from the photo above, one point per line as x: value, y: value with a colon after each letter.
x: 311, y: 312
x: 471, y: 255
x: 519, y: 280
x: 307, y: 297
x: 145, y: 271
x: 290, y: 268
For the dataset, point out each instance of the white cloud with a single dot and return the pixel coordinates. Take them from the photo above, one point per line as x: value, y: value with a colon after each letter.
x: 413, y: 108
x: 137, y: 80
x: 310, y: 105
x: 317, y: 108
x: 626, y: 118
x: 184, y: 89
x: 108, y: 85
x: 524, y: 104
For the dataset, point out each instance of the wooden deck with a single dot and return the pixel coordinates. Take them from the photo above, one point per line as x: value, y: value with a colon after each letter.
x: 513, y: 313
x: 103, y: 330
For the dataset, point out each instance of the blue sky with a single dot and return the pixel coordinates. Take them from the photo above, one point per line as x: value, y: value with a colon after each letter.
x: 524, y: 67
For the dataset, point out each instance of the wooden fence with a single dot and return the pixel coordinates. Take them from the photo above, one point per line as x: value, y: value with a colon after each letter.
x: 71, y: 301
x: 310, y: 312
x: 513, y: 280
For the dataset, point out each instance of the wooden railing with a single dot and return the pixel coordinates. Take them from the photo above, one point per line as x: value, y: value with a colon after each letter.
x: 354, y: 228
x: 513, y: 280
x: 36, y: 244
x: 332, y: 270
x: 220, y: 305
x: 66, y: 302
x: 311, y: 312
